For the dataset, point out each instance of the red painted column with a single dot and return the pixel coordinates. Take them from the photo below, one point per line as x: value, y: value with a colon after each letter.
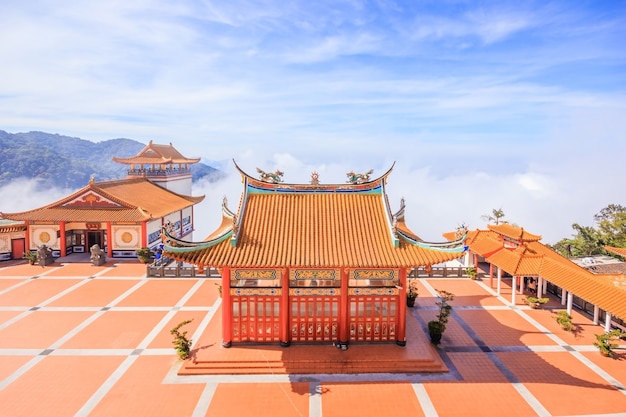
x: 344, y: 319
x: 144, y: 234
x: 27, y: 235
x: 285, y: 335
x: 490, y: 275
x: 63, y: 242
x: 109, y: 240
x: 227, y: 309
x: 401, y: 327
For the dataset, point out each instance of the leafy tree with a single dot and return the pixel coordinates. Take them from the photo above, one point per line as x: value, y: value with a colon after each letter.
x: 495, y: 216
x: 589, y: 240
x: 611, y: 222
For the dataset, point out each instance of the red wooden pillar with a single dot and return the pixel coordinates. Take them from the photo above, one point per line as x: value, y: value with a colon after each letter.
x: 27, y: 236
x: 490, y: 275
x: 401, y: 328
x: 110, y: 240
x: 285, y: 335
x: 144, y: 234
x: 227, y: 309
x: 344, y: 319
x: 62, y: 237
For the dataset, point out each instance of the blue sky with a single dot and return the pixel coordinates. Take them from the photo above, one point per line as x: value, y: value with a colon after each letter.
x: 482, y: 105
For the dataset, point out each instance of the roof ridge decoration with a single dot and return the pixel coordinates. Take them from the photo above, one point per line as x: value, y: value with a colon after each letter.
x: 354, y: 178
x: 271, y: 177
x: 273, y: 185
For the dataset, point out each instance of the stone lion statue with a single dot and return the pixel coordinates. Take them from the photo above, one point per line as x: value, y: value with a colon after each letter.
x: 97, y: 255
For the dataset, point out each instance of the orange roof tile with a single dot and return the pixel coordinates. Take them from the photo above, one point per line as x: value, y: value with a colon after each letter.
x: 513, y: 232
x: 618, y: 251
x: 157, y: 154
x: 315, y: 226
x: 131, y: 200
x: 532, y: 258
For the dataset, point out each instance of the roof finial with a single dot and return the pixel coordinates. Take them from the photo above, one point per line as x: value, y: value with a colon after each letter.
x: 315, y: 178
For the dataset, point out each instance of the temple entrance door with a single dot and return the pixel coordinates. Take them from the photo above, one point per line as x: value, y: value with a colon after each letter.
x: 373, y: 318
x: 95, y: 237
x: 18, y: 247
x: 314, y: 318
x: 256, y: 318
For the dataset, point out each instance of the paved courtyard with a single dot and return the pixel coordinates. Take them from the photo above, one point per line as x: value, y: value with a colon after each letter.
x: 80, y: 340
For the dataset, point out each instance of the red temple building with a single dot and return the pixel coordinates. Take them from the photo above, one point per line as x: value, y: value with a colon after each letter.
x: 313, y: 263
x: 119, y: 216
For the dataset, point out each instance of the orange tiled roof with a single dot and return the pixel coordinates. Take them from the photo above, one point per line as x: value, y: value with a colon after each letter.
x: 314, y: 226
x: 596, y: 289
x: 157, y: 154
x: 618, y: 251
x: 513, y: 232
x: 533, y: 258
x: 131, y: 200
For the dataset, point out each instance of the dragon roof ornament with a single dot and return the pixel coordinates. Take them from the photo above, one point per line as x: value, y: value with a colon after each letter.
x: 271, y: 177
x: 354, y: 178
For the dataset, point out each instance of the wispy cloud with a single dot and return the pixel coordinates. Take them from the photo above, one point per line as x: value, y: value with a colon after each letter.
x: 524, y: 100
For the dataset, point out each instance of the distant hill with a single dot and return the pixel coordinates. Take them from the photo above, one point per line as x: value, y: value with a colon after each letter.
x: 69, y: 162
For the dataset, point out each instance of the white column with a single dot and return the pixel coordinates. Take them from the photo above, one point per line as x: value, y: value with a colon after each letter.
x: 545, y: 286
x: 563, y: 296
x: 499, y: 279
x: 596, y: 314
x: 513, y: 289
x: 607, y: 322
x: 570, y: 300
x: 539, y: 287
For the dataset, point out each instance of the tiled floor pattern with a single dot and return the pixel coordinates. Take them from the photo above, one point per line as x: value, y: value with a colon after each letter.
x: 77, y: 340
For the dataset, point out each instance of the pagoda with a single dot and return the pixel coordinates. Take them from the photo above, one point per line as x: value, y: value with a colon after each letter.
x: 313, y: 263
x: 163, y: 165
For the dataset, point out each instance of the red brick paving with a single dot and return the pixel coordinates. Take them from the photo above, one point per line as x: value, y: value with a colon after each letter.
x: 478, y: 384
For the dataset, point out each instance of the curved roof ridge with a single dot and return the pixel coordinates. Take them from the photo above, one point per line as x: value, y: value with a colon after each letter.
x: 319, y: 186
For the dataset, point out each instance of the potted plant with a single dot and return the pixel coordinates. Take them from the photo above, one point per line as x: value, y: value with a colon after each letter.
x: 31, y: 257
x: 438, y: 326
x: 144, y: 254
x: 564, y: 320
x: 471, y: 272
x: 181, y: 343
x: 411, y: 293
x: 535, y: 302
x: 604, y: 342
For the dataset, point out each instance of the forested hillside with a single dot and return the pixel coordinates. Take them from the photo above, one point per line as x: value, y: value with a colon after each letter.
x: 69, y: 162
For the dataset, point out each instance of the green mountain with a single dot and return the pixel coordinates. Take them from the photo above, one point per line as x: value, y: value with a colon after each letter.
x: 69, y: 162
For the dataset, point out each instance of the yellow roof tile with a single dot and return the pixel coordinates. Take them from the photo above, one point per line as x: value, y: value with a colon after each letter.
x: 316, y: 226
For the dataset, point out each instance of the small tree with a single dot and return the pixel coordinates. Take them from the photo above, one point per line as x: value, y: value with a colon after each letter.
x: 438, y: 326
x: 604, y: 342
x: 181, y: 343
x: 565, y: 320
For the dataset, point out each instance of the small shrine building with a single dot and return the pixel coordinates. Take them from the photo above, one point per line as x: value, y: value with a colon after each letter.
x: 313, y: 263
x: 119, y: 216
